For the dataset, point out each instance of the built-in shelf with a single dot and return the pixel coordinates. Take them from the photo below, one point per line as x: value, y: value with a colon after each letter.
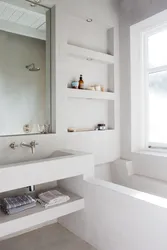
x: 92, y: 131
x: 31, y: 218
x: 90, y: 94
x: 89, y: 55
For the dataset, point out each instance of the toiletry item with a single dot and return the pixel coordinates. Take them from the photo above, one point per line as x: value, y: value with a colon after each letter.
x: 102, y: 89
x: 43, y: 128
x: 46, y: 128
x: 101, y: 126
x: 97, y: 87
x: 81, y: 82
x: 75, y: 84
x: 27, y: 128
x: 91, y: 88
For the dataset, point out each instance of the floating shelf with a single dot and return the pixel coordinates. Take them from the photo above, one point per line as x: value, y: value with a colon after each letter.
x: 89, y: 55
x: 92, y: 131
x: 31, y: 218
x: 90, y: 94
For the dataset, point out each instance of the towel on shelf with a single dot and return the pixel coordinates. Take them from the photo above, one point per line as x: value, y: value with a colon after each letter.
x: 46, y: 205
x: 16, y: 201
x: 16, y: 210
x: 17, y: 204
x: 52, y: 198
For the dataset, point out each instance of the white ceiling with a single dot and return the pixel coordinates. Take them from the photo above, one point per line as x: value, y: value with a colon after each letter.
x: 22, y: 16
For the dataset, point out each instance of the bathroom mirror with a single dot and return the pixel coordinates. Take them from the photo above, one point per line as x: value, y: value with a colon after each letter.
x: 24, y: 68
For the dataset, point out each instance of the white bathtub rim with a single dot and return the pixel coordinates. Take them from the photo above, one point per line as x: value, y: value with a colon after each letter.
x: 149, y: 198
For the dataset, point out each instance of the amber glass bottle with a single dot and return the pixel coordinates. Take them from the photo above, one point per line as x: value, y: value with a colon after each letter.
x: 81, y: 82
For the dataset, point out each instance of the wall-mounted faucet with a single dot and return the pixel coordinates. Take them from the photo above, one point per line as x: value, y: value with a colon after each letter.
x: 32, y: 145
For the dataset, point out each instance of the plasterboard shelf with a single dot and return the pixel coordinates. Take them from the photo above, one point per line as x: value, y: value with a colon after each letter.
x: 13, y: 224
x: 89, y: 94
x: 89, y: 55
x: 92, y: 131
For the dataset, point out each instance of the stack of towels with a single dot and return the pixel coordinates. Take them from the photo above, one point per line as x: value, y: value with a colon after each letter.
x: 17, y: 204
x: 52, y: 198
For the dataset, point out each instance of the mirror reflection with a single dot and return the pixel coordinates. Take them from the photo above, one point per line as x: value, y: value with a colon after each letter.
x: 24, y: 68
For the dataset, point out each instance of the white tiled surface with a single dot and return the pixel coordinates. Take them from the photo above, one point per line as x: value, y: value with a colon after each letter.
x: 53, y: 237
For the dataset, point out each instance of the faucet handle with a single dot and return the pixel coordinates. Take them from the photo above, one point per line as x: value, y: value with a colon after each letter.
x: 13, y: 145
x: 34, y: 143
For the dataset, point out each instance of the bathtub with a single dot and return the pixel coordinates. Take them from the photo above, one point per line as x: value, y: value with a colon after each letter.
x: 121, y: 172
x: 119, y: 218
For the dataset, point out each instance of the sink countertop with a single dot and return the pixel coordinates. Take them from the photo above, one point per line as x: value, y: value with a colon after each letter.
x: 33, y: 159
x: 35, y: 172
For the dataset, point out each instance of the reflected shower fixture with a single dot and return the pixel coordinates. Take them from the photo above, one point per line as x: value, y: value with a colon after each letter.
x: 32, y: 67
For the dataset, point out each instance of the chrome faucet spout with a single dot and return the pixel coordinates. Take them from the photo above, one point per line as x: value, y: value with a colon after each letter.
x: 32, y: 146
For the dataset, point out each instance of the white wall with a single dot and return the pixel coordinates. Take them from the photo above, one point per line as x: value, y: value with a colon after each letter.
x: 73, y: 28
x: 138, y: 10
x: 22, y: 95
x: 131, y: 13
x: 87, y: 113
x: 103, y: 172
x: 94, y: 142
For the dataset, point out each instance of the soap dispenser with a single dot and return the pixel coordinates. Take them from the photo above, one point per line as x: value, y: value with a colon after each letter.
x: 81, y: 82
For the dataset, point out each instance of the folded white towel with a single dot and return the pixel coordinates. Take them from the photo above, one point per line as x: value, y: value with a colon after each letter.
x: 53, y: 197
x: 46, y: 205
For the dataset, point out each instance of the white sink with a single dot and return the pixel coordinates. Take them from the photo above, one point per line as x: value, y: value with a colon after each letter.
x: 42, y: 167
x: 59, y: 153
x: 27, y: 157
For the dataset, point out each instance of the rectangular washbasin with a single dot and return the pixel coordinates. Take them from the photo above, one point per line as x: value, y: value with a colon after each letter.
x: 59, y: 153
x: 44, y: 167
x: 28, y: 157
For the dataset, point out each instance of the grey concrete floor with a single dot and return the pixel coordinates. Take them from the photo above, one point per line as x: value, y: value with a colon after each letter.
x: 53, y: 237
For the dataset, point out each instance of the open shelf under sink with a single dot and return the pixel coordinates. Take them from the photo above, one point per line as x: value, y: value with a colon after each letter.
x: 24, y: 221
